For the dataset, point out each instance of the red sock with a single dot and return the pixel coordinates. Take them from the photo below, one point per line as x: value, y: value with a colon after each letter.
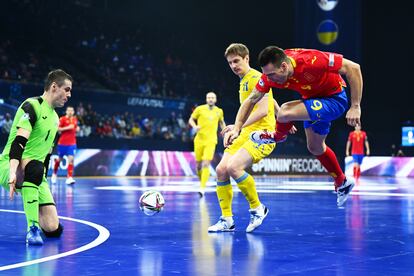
x: 56, y: 166
x: 70, y: 170
x: 355, y: 172
x: 282, y: 129
x: 358, y: 172
x: 329, y: 161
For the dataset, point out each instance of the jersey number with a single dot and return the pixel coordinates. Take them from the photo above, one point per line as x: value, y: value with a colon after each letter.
x: 316, y: 105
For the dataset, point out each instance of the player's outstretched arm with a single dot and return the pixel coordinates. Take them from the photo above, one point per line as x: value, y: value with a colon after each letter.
x: 15, y: 155
x: 242, y: 115
x: 353, y: 74
x: 261, y: 111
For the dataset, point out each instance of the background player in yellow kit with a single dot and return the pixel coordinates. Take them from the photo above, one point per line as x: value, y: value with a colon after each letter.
x: 242, y: 153
x: 205, y: 120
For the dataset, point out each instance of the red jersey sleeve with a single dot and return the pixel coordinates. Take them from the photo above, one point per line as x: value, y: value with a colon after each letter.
x: 326, y: 61
x: 263, y: 84
x: 350, y: 137
x: 334, y: 61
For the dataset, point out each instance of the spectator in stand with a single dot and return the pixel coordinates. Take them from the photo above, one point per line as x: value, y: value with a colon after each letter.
x: 80, y: 110
x: 135, y: 131
x: 6, y: 124
x: 107, y: 129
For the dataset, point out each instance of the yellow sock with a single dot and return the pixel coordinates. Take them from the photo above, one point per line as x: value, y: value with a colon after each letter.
x: 225, y: 197
x: 205, y: 174
x: 248, y: 187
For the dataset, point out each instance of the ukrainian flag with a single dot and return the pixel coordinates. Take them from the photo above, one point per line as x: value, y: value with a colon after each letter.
x: 327, y: 32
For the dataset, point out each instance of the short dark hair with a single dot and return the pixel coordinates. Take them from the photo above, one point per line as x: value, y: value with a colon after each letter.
x: 58, y: 76
x: 272, y: 54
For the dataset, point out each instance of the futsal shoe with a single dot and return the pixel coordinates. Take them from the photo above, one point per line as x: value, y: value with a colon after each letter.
x: 201, y: 193
x: 256, y: 217
x: 222, y: 225
x: 53, y: 179
x: 343, y: 191
x: 261, y: 137
x: 70, y: 181
x: 33, y: 236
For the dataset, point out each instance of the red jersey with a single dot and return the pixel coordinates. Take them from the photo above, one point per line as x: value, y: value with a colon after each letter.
x: 315, y: 74
x: 357, y: 140
x: 68, y: 137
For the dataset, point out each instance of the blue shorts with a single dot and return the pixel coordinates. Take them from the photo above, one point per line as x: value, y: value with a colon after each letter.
x: 324, y: 110
x: 66, y: 150
x: 358, y: 158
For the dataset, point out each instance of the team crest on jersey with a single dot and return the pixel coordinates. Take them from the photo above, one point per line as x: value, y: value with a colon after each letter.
x: 26, y: 116
x: 308, y: 76
x: 261, y: 83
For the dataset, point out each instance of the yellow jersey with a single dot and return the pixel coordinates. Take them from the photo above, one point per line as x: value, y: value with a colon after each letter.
x: 208, y: 120
x: 247, y: 84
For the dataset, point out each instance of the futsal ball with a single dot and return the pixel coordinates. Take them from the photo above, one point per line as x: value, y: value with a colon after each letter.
x: 151, y: 202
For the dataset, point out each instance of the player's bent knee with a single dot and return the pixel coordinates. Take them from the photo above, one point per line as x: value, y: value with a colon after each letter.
x: 284, y: 115
x: 54, y: 234
x: 33, y: 172
x: 233, y: 170
x: 315, y: 149
x: 221, y: 170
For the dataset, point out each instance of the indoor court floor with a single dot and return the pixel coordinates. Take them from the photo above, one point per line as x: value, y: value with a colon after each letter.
x: 304, y: 233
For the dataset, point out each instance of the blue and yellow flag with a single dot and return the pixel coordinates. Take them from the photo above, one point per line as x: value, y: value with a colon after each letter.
x: 327, y: 32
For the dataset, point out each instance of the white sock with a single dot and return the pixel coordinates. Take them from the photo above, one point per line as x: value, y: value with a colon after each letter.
x: 259, y: 209
x: 229, y: 220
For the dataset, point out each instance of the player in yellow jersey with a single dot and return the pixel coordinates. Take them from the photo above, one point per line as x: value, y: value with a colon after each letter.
x: 242, y: 153
x: 205, y: 120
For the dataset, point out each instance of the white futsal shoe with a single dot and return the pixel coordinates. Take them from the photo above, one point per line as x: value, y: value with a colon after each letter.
x: 53, y: 179
x: 262, y: 137
x: 223, y: 225
x: 343, y: 191
x: 70, y: 181
x: 256, y: 217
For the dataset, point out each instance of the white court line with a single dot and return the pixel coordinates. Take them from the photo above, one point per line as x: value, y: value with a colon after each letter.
x: 382, y: 194
x: 330, y: 187
x: 189, y: 189
x: 291, y: 185
x: 310, y: 183
x: 102, y: 237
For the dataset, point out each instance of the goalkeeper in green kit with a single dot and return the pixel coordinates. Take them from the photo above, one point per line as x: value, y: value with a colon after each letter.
x: 25, y: 158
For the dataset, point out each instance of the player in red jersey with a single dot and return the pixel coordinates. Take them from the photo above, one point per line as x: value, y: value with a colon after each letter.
x: 316, y: 75
x: 357, y: 138
x: 68, y: 126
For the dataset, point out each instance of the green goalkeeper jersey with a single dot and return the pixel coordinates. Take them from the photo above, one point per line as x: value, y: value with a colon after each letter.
x: 38, y: 117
